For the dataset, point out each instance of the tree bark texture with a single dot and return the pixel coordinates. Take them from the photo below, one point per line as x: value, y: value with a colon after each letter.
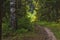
x: 13, y: 14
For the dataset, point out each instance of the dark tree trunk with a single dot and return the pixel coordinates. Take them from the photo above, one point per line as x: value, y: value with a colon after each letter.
x: 13, y: 14
x: 1, y: 12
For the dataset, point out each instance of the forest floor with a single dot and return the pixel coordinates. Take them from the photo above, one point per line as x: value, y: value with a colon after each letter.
x: 55, y: 28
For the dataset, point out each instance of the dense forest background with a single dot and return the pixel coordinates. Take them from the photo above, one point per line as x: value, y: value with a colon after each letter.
x: 19, y: 16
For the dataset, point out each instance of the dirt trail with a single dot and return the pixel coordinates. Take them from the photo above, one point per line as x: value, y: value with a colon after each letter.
x: 40, y: 33
x: 43, y: 33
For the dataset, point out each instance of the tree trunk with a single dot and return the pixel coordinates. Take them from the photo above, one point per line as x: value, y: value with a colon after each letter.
x: 1, y: 12
x: 13, y: 14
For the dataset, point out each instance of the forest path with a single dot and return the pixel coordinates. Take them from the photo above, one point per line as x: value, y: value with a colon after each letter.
x: 43, y: 33
x: 40, y: 33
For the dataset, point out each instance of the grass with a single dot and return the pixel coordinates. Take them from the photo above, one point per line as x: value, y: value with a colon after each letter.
x: 55, y: 27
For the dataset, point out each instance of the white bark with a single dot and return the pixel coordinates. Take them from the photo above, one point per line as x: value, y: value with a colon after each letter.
x: 13, y: 13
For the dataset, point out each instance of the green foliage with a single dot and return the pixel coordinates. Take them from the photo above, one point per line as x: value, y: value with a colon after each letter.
x: 46, y: 11
x: 24, y: 22
x: 21, y: 31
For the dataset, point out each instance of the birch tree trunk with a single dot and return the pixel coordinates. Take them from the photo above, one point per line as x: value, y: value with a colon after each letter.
x: 13, y: 14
